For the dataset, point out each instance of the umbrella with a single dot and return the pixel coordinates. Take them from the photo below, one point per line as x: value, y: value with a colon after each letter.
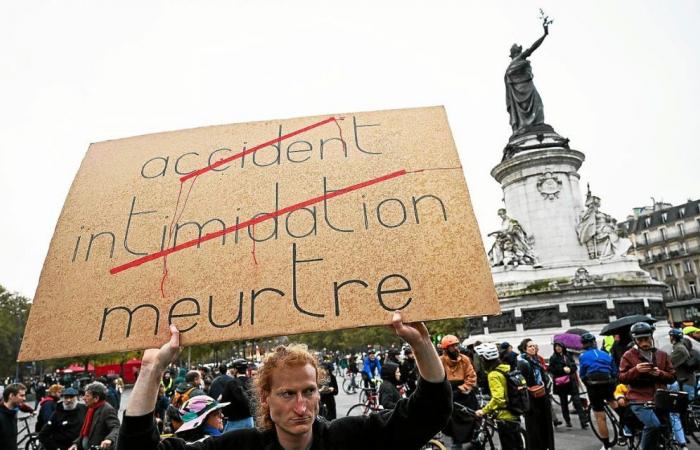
x: 577, y: 331
x: 623, y: 324
x: 570, y: 340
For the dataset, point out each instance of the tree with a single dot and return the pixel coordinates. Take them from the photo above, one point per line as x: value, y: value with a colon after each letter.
x: 14, y: 310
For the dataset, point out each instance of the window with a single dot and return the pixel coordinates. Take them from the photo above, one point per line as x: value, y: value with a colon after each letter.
x: 646, y: 236
x: 669, y: 270
x: 647, y: 222
x: 687, y: 266
x: 666, y: 251
x: 684, y: 248
x: 681, y: 229
x: 681, y: 212
x: 663, y: 233
x: 648, y: 258
x: 693, y: 289
x: 674, y: 291
x: 664, y: 217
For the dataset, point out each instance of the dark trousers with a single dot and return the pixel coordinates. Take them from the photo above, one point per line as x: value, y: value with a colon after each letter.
x: 509, y: 435
x: 576, y: 400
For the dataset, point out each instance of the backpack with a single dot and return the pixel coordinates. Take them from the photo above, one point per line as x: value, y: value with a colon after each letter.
x: 179, y: 398
x: 693, y: 363
x: 517, y: 398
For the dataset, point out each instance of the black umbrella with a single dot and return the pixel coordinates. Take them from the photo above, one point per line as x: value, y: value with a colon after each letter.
x: 577, y: 331
x: 623, y: 324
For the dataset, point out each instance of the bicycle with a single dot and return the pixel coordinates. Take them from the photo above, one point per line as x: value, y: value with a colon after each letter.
x: 691, y: 421
x: 435, y: 443
x: 666, y: 439
x: 370, y: 405
x: 31, y: 438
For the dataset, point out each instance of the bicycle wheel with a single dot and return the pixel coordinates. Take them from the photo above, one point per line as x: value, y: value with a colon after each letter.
x: 434, y: 444
x: 692, y: 423
x: 360, y: 409
x: 610, y: 423
x: 33, y: 444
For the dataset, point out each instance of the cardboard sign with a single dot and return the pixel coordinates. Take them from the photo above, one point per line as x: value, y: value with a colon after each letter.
x: 261, y: 229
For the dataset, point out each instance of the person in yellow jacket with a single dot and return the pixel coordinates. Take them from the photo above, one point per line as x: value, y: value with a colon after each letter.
x: 508, y: 423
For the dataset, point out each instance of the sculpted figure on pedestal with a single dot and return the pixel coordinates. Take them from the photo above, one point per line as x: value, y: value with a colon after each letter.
x: 598, y: 232
x: 513, y: 247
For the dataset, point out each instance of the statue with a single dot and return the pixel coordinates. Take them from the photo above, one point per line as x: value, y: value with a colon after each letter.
x: 523, y: 102
x: 598, y: 231
x: 513, y: 247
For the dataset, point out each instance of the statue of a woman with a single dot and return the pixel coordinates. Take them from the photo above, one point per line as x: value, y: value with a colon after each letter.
x: 523, y: 102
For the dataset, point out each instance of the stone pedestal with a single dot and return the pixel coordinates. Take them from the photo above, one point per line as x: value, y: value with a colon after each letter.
x: 569, y: 286
x: 541, y: 190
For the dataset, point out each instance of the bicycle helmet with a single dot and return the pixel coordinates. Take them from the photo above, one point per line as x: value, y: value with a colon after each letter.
x: 487, y: 351
x: 675, y: 333
x: 641, y: 329
x: 448, y: 340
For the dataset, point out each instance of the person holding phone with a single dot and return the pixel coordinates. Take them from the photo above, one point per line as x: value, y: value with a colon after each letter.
x: 645, y: 369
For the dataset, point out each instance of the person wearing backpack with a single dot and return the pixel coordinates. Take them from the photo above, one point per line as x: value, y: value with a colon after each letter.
x: 684, y: 361
x: 189, y: 388
x: 508, y: 396
x: 598, y: 372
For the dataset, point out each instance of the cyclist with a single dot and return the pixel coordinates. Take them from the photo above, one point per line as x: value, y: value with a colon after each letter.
x: 598, y: 372
x: 462, y: 376
x: 682, y: 361
x: 371, y: 368
x: 507, y: 422
x: 645, y: 370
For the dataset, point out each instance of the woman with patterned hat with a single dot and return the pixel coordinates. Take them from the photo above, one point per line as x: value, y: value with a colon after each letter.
x: 201, y: 418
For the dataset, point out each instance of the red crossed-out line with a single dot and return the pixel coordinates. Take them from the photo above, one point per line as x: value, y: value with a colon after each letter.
x: 262, y: 218
x: 254, y: 149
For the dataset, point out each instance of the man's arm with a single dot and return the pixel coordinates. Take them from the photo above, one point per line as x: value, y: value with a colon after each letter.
x: 145, y: 393
x: 112, y: 421
x: 417, y: 336
x: 469, y: 375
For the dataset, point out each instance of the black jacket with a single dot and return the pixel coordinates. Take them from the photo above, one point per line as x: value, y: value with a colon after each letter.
x: 63, y: 427
x: 410, y: 425
x: 105, y: 425
x: 557, y: 363
x: 236, y: 391
x: 8, y: 428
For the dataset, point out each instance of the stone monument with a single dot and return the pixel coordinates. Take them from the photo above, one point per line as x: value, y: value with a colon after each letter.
x: 558, y: 262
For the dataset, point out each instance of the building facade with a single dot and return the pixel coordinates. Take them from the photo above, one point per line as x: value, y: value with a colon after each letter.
x: 666, y: 241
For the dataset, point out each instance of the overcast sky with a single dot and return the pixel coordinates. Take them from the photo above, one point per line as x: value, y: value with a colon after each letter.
x: 620, y: 79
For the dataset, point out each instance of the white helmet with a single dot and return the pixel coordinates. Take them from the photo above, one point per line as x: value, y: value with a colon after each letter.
x: 488, y: 351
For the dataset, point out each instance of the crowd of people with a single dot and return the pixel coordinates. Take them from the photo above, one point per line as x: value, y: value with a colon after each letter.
x: 288, y: 401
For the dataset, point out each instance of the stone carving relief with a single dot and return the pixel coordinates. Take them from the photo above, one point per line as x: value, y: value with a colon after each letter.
x: 588, y: 313
x: 541, y: 317
x: 582, y: 278
x: 513, y: 247
x: 549, y: 186
x: 503, y: 322
x: 597, y: 231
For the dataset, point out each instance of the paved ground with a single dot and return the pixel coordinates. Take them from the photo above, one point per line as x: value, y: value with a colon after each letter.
x: 566, y: 438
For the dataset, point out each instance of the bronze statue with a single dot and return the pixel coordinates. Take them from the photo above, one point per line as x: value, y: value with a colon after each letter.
x: 523, y: 102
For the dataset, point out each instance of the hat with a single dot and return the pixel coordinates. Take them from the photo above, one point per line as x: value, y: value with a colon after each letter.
x: 195, y: 411
x: 504, y: 346
x: 69, y: 392
x: 690, y: 330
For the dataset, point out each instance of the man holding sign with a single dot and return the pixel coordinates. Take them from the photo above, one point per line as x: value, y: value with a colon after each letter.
x: 288, y: 405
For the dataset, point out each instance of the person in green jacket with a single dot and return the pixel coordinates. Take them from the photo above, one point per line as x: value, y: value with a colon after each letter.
x: 508, y: 424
